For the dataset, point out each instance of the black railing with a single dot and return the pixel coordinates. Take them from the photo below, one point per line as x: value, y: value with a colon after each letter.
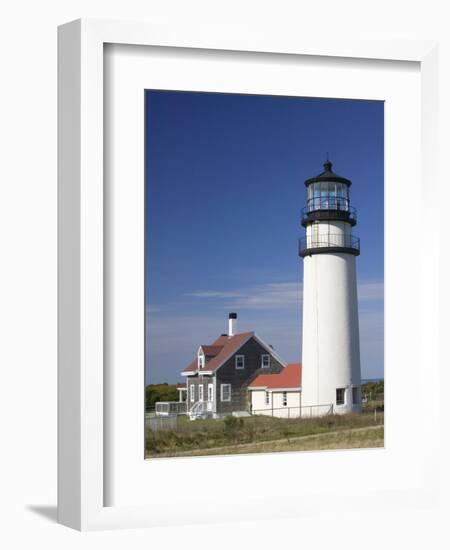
x: 328, y: 202
x: 328, y: 210
x: 321, y: 244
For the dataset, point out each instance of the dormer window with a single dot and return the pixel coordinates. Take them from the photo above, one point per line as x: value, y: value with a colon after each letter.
x: 201, y: 360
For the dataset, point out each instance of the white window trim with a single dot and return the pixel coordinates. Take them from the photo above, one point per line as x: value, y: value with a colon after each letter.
x: 192, y: 393
x: 262, y: 361
x: 201, y: 360
x: 200, y: 392
x: 222, y: 386
x: 236, y: 357
x: 210, y: 387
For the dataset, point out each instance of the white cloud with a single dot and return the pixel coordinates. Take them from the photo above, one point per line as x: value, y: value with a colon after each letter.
x: 266, y: 296
x: 278, y: 295
x: 214, y: 294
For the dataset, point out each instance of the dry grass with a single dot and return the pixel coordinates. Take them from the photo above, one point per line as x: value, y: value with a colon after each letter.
x: 359, y: 438
x: 347, y: 439
x: 265, y: 434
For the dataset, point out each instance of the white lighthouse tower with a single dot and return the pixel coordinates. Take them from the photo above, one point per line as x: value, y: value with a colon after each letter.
x: 331, y: 372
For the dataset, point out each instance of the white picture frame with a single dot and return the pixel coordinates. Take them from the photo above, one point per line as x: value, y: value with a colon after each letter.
x: 83, y: 395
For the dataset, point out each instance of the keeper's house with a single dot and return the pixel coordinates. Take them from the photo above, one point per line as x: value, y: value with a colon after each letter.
x: 217, y: 379
x: 277, y: 394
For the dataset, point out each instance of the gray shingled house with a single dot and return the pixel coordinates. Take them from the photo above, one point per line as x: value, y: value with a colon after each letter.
x: 218, y: 377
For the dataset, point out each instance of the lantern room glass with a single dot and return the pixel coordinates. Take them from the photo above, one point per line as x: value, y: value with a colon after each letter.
x: 328, y: 195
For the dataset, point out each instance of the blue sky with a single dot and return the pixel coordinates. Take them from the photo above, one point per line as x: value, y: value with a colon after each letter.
x: 224, y: 191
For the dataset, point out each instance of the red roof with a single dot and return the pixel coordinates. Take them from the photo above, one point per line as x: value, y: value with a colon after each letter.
x: 225, y: 347
x: 289, y: 377
x: 211, y: 351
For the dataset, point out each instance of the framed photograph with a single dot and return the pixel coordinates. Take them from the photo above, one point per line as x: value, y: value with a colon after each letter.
x: 225, y: 168
x: 235, y: 274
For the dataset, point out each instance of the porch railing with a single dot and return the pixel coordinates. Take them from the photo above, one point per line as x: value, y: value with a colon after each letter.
x: 168, y: 408
x: 200, y: 408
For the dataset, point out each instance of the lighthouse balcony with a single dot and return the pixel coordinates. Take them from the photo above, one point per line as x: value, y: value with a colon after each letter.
x: 329, y: 244
x: 328, y: 210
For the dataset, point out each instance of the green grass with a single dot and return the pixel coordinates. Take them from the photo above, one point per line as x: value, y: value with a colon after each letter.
x: 245, y: 435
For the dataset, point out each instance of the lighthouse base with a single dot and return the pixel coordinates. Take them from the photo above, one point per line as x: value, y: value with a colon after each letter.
x: 315, y: 411
x: 331, y: 372
x: 347, y: 410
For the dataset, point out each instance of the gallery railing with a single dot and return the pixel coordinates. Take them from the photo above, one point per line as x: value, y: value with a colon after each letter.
x: 328, y: 210
x: 326, y: 202
x: 329, y: 242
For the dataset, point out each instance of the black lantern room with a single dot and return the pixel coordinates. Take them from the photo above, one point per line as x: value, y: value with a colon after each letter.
x: 328, y: 198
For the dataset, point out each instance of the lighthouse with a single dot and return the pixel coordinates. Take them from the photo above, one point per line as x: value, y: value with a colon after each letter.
x: 331, y: 372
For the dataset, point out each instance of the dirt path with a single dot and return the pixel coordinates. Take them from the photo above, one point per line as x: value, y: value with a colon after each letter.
x: 216, y: 450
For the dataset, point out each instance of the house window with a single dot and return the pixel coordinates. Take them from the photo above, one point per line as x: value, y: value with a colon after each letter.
x: 225, y: 392
x: 285, y: 399
x: 267, y: 398
x: 200, y: 392
x: 355, y: 395
x: 201, y: 361
x: 239, y: 361
x: 265, y: 361
x: 192, y: 392
x: 210, y: 392
x: 340, y: 396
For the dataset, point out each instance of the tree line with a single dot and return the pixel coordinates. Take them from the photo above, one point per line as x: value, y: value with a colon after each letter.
x: 159, y: 392
x: 373, y: 388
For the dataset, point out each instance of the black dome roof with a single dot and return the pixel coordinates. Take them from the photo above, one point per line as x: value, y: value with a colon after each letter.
x: 328, y: 175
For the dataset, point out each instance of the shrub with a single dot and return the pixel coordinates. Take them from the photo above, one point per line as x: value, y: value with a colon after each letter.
x: 232, y: 424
